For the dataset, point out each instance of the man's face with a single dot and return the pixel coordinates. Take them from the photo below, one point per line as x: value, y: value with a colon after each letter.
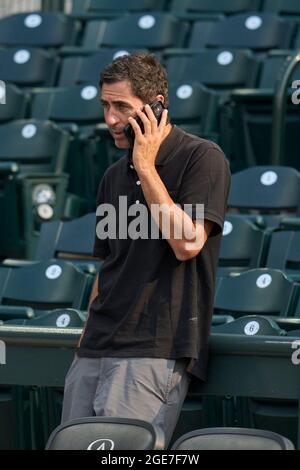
x: 119, y: 103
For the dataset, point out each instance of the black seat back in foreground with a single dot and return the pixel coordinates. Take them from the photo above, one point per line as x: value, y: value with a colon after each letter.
x: 232, y: 439
x: 98, y: 433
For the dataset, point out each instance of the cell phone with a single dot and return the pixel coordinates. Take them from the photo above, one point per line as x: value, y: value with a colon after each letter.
x: 157, y: 108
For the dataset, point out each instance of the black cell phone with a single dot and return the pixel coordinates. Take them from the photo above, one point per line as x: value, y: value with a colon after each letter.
x: 157, y: 108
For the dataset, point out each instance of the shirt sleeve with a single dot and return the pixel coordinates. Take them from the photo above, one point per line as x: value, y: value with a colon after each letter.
x: 101, y: 247
x: 206, y: 181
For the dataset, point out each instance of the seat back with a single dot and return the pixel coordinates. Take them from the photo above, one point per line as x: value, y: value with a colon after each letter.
x: 256, y: 31
x: 232, y: 439
x: 16, y: 103
x: 28, y: 67
x: 47, y: 285
x: 258, y: 291
x: 36, y: 146
x: 98, y: 433
x: 242, y: 245
x: 38, y: 29
x: 153, y: 31
x: 220, y: 69
x: 272, y: 189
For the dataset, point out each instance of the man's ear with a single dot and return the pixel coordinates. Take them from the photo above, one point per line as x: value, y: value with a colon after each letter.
x: 160, y: 98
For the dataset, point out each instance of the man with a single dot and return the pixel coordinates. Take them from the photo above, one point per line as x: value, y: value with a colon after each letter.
x: 150, y: 315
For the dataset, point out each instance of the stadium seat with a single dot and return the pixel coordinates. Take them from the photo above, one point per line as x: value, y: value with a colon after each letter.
x: 111, y: 8
x: 70, y: 240
x: 16, y: 105
x: 46, y: 285
x: 247, y: 117
x: 36, y: 146
x: 250, y: 325
x: 286, y: 8
x: 256, y: 31
x: 257, y: 291
x: 270, y: 191
x: 28, y: 67
x: 80, y: 69
x: 58, y: 318
x: 284, y: 252
x: 78, y: 110
x: 194, y: 108
x: 153, y: 31
x: 232, y: 439
x: 222, y: 69
x: 196, y: 7
x: 38, y: 29
x: 109, y: 433
x: 33, y: 157
x: 242, y: 247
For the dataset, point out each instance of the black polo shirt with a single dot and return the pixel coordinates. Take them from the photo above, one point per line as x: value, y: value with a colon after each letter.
x: 150, y: 304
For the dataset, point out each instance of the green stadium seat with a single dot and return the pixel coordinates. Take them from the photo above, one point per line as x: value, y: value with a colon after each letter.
x: 194, y: 108
x: 80, y: 69
x: 257, y: 31
x: 218, y: 6
x: 222, y: 69
x: 46, y: 285
x: 16, y: 105
x: 256, y: 292
x: 58, y: 318
x: 285, y: 8
x: 284, y: 252
x: 38, y: 29
x: 270, y: 191
x: 153, y: 30
x: 243, y: 246
x: 28, y: 67
x: 78, y: 110
x: 249, y: 325
x: 70, y: 240
x: 247, y: 118
x: 111, y: 8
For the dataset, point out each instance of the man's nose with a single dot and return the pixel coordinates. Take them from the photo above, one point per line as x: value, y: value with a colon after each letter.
x: 111, y: 118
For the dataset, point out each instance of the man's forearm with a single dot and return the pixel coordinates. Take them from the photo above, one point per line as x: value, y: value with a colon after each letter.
x: 93, y: 295
x: 175, y: 224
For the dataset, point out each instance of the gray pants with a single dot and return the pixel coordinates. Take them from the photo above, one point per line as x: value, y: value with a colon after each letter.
x: 150, y: 389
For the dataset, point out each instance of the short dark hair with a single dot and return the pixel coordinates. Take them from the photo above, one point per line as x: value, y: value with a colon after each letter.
x: 143, y: 71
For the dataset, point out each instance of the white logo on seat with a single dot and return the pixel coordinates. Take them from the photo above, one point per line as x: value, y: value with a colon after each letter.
x: 29, y: 131
x: 264, y: 281
x: 33, y: 21
x: 252, y: 328
x: 184, y: 92
x: 2, y: 92
x: 120, y: 54
x: 227, y: 229
x: 253, y: 22
x: 53, y: 271
x: 146, y: 22
x: 63, y: 320
x: 22, y: 56
x: 268, y: 178
x: 225, y: 58
x: 89, y: 92
x: 102, y: 444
